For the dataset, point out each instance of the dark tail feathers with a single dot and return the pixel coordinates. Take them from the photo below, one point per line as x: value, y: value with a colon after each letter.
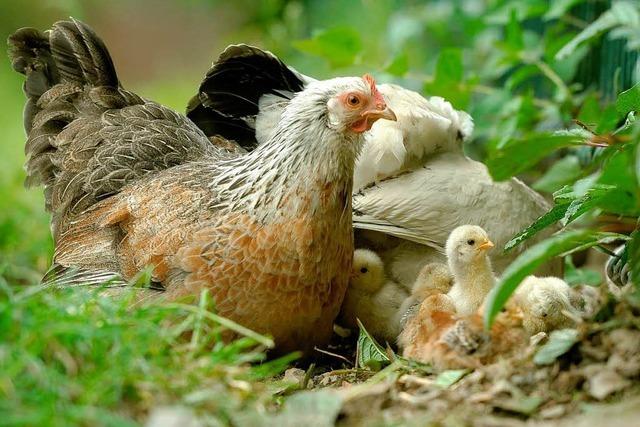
x: 228, y: 97
x: 69, y: 53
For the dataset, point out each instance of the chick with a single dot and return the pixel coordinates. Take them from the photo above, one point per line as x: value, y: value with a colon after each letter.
x: 545, y: 303
x: 371, y: 298
x: 439, y: 337
x: 420, y: 326
x: 469, y: 263
x: 434, y: 278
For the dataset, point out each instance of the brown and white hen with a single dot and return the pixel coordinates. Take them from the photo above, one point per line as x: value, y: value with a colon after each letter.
x: 131, y: 183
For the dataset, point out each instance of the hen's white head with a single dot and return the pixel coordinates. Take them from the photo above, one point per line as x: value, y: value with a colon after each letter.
x: 353, y: 104
x: 467, y: 244
x: 367, y: 273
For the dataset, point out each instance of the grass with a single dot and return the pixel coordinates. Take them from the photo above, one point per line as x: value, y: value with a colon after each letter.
x: 76, y: 357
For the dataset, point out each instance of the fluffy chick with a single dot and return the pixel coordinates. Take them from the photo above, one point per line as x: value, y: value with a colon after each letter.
x: 469, y: 263
x: 439, y: 337
x: 544, y: 302
x: 371, y: 298
x: 434, y: 278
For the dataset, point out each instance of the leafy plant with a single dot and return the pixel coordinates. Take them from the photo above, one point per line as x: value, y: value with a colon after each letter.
x: 368, y: 352
x: 559, y: 343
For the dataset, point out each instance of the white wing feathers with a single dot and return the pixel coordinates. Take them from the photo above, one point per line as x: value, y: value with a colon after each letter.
x: 423, y: 206
x: 424, y: 127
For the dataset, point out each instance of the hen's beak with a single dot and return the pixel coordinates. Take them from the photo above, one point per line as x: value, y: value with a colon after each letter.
x: 379, y: 112
x: 369, y: 117
x: 486, y: 245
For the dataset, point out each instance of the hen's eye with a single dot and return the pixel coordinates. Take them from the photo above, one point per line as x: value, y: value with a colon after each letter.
x: 471, y: 242
x: 363, y: 270
x: 353, y: 100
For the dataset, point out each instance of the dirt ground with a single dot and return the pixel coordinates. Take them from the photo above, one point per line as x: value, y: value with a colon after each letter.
x: 588, y: 376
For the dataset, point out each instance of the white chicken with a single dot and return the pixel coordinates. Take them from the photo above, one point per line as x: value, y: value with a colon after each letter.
x: 424, y: 127
x: 412, y: 180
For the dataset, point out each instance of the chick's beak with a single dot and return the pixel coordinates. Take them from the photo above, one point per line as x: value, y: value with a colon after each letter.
x: 486, y: 245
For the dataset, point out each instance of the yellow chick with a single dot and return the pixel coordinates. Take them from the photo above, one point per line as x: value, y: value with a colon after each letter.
x: 434, y: 278
x: 371, y: 298
x: 544, y: 302
x: 466, y: 249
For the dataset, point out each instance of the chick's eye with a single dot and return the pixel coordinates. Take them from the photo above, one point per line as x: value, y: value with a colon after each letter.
x: 363, y: 270
x: 471, y: 242
x: 353, y: 100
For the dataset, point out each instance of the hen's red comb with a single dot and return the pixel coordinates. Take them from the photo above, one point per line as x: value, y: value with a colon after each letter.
x: 368, y: 78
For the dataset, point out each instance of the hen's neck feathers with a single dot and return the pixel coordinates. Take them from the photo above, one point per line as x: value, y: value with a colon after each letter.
x: 288, y: 173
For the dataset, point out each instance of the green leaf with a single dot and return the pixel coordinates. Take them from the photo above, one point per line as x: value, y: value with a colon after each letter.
x: 629, y: 100
x: 369, y: 352
x: 448, y: 378
x: 559, y: 343
x: 591, y: 199
x: 528, y: 261
x: 559, y: 8
x: 449, y: 67
x: 564, y: 171
x: 554, y: 215
x: 525, y: 405
x: 580, y: 276
x: 339, y: 45
x: 608, y: 120
x: 519, y: 155
x: 606, y: 21
x: 514, y: 37
x: 399, y: 65
x: 618, y: 170
x: 448, y: 79
x: 521, y: 75
x: 590, y: 112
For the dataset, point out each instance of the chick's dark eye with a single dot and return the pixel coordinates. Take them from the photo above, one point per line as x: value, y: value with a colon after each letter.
x: 363, y: 270
x: 353, y: 100
x: 471, y: 242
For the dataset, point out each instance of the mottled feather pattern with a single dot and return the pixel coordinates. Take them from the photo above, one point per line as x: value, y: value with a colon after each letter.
x: 132, y: 184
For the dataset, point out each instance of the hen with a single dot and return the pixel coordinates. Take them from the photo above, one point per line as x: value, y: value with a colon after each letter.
x: 131, y: 183
x: 414, y: 181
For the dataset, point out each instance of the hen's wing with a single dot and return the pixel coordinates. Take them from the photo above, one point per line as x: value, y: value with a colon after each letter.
x: 88, y: 138
x: 425, y: 204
